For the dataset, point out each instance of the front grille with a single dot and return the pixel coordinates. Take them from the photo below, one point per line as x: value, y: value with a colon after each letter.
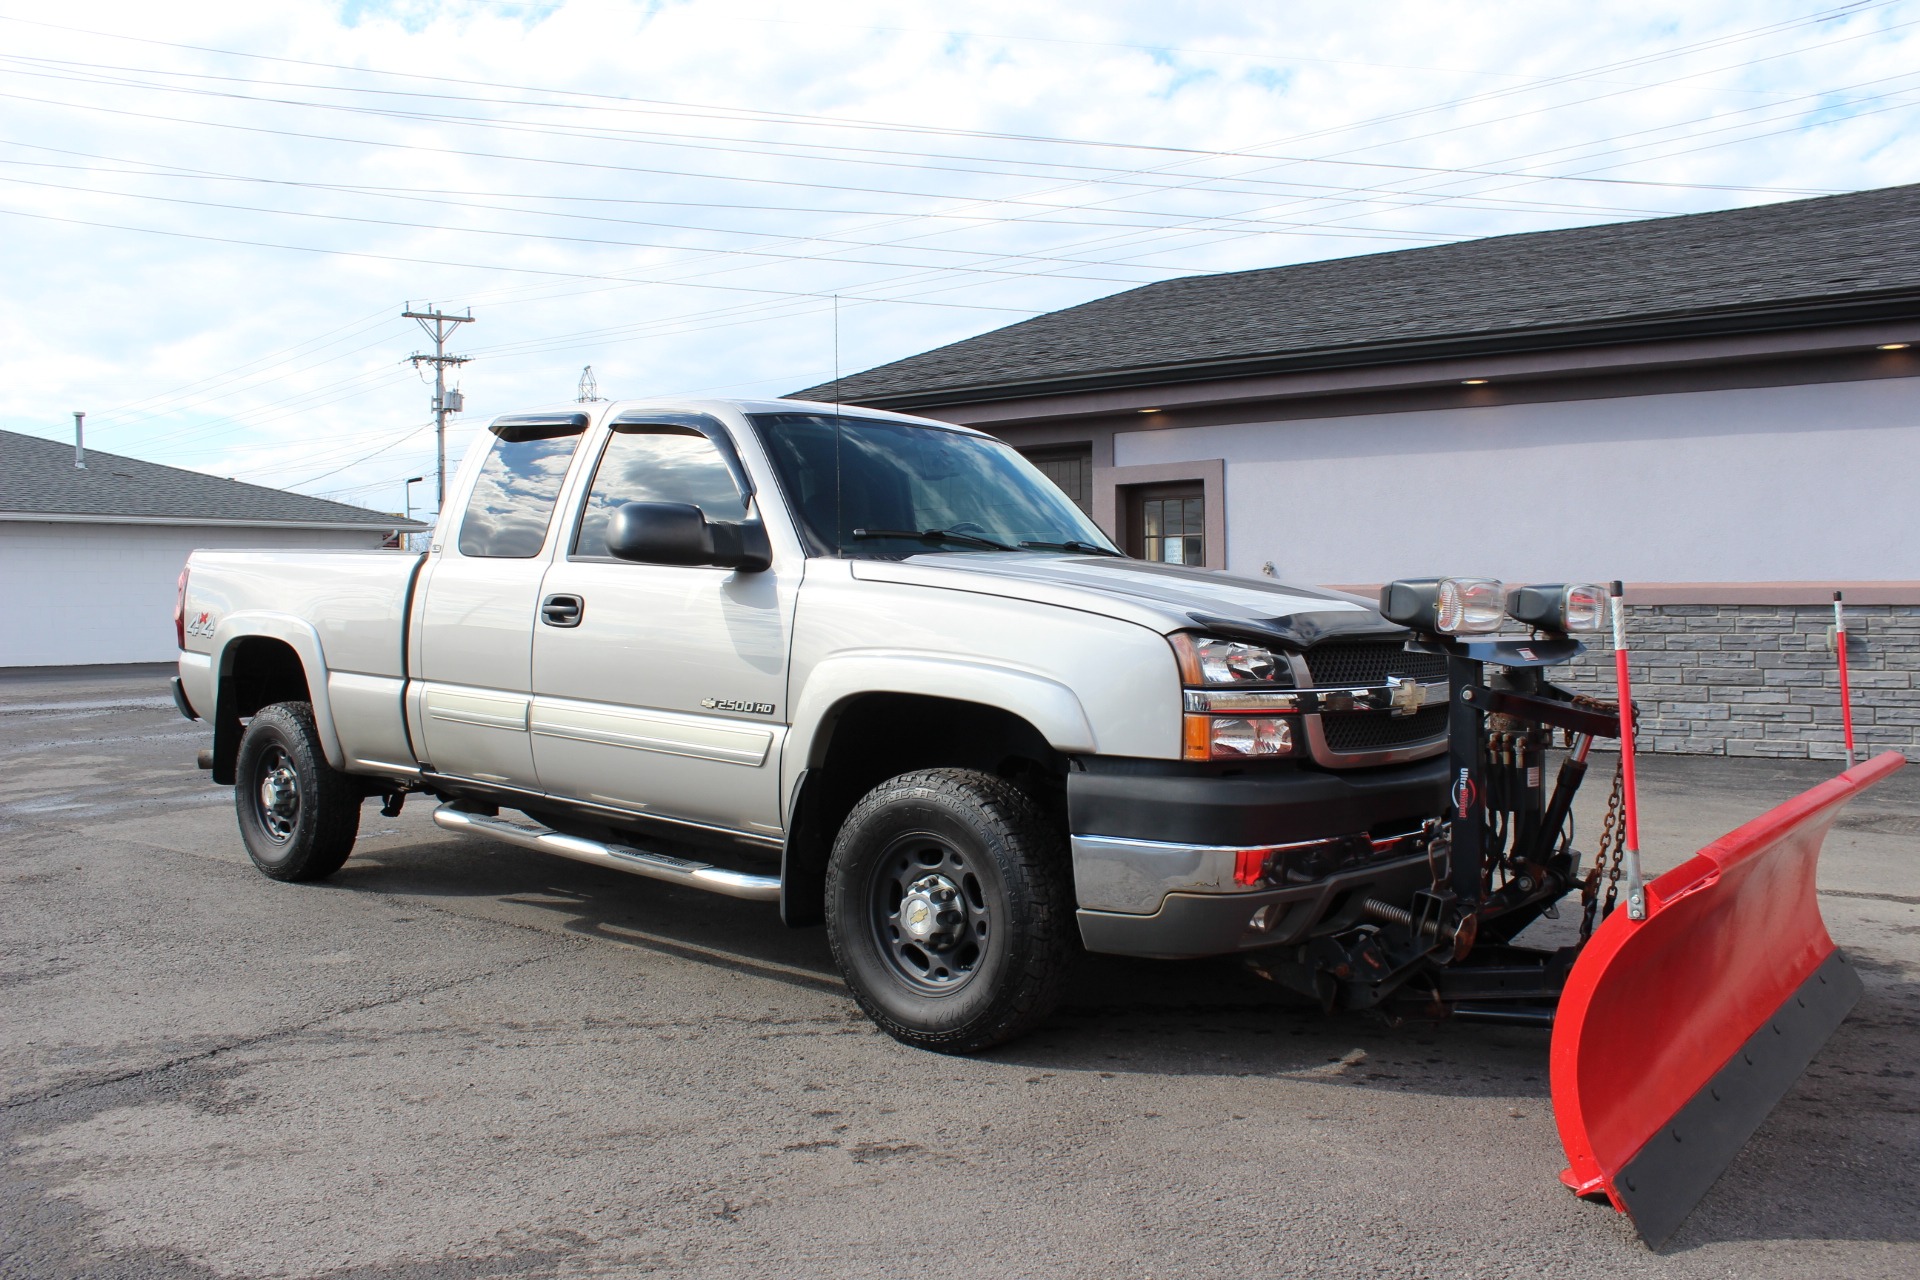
x: 1355, y: 731
x: 1351, y: 664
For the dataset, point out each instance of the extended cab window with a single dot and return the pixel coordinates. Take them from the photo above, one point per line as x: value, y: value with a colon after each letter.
x: 651, y: 462
x: 512, y: 502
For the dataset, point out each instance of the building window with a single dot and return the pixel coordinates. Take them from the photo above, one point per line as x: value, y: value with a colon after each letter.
x: 1167, y: 523
x: 1071, y: 470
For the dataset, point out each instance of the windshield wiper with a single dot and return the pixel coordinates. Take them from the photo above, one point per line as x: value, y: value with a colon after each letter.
x: 1071, y: 544
x: 936, y: 535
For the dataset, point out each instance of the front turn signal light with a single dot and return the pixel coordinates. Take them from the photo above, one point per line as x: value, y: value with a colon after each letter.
x: 1237, y: 737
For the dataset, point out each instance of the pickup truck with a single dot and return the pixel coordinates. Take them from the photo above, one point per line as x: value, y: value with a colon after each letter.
x: 873, y: 668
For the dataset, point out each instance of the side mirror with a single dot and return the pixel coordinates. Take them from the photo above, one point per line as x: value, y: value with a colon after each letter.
x: 680, y: 533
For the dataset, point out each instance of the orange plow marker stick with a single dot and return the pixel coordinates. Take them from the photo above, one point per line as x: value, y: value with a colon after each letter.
x: 1678, y: 1034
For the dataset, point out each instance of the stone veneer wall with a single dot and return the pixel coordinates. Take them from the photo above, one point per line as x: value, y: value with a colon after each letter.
x: 1759, y: 680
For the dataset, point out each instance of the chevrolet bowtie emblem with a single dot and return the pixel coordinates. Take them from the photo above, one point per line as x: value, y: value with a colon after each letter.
x: 1407, y: 696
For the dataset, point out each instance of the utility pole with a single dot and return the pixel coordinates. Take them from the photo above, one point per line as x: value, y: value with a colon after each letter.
x: 440, y: 327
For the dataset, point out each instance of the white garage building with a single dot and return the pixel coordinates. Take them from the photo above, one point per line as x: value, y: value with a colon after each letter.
x: 89, y: 557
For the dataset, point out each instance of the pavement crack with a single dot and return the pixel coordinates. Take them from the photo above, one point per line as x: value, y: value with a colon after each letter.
x: 265, y: 1037
x: 1903, y: 899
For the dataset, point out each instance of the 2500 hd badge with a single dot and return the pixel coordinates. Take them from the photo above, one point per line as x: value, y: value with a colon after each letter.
x: 734, y: 704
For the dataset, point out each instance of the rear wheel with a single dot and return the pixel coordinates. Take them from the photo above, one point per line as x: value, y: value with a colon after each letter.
x: 949, y: 909
x: 298, y: 815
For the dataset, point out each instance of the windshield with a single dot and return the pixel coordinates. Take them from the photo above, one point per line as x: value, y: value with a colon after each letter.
x: 860, y: 483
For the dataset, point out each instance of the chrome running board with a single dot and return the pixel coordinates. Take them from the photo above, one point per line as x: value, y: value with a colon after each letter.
x: 639, y: 862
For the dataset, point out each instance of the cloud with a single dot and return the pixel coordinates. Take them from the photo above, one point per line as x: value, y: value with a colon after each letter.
x: 214, y: 215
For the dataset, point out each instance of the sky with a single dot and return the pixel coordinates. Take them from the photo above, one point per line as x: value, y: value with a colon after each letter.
x: 213, y: 215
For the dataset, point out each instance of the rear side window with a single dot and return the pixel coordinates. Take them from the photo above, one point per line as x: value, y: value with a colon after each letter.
x: 654, y: 463
x: 513, y: 500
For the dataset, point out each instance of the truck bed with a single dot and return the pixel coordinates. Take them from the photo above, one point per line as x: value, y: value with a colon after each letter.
x: 342, y: 612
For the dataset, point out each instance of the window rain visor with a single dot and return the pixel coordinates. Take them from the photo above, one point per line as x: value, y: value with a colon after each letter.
x: 849, y: 473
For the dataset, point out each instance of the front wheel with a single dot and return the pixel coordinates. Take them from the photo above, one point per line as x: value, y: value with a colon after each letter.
x: 298, y: 815
x: 949, y: 909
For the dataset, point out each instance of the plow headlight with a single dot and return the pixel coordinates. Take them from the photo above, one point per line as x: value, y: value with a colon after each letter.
x: 1450, y: 606
x: 1557, y: 606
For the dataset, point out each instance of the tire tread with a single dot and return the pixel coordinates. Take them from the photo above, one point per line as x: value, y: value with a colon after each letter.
x: 335, y: 801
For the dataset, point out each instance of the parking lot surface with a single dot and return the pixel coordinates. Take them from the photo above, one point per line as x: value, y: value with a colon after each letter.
x: 457, y: 1058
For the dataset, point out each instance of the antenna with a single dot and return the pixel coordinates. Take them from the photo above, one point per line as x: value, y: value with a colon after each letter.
x: 836, y: 354
x: 589, y: 386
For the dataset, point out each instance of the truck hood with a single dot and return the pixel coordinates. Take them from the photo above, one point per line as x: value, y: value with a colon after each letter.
x: 1166, y: 597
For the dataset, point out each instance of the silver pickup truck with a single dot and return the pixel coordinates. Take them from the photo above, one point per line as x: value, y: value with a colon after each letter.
x: 874, y: 668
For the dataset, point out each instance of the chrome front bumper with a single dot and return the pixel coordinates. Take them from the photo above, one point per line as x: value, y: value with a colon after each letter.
x: 1113, y: 873
x: 1171, y: 900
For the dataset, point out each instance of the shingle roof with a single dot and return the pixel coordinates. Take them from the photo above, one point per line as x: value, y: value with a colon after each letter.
x: 1824, y: 260
x: 37, y: 477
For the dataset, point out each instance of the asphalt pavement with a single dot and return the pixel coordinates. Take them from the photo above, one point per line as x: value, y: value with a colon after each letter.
x: 458, y: 1058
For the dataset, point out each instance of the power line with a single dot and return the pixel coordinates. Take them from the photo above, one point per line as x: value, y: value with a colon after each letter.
x: 658, y: 106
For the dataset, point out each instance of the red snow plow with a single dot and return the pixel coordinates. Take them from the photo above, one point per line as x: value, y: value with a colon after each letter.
x: 1677, y: 1033
x: 1680, y: 1020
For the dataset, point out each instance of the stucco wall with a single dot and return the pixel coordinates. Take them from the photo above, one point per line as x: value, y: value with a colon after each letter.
x: 1797, y: 483
x: 94, y: 593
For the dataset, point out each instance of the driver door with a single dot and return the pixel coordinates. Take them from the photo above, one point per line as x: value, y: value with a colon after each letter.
x: 662, y: 688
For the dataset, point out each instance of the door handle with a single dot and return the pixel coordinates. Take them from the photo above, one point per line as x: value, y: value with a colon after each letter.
x: 562, y: 611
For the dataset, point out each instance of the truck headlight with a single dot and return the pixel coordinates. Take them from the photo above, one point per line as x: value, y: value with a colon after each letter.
x: 1206, y: 660
x: 1251, y: 682
x: 1449, y: 606
x: 1557, y: 606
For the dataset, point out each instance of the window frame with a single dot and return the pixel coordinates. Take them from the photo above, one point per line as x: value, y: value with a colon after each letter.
x: 1138, y: 496
x: 1113, y: 485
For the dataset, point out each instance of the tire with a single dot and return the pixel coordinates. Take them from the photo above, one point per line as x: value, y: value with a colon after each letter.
x: 298, y: 815
x: 970, y: 858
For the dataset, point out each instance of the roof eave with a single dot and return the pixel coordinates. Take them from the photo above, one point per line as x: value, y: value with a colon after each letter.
x: 1810, y: 314
x: 87, y: 517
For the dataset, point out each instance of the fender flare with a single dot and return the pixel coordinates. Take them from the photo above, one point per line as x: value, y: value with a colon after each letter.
x: 1051, y: 707
x: 300, y: 636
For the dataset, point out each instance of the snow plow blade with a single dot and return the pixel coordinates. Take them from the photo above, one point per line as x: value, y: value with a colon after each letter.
x: 1677, y: 1034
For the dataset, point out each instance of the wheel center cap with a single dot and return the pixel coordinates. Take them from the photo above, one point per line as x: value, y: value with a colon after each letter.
x: 931, y: 911
x: 280, y: 792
